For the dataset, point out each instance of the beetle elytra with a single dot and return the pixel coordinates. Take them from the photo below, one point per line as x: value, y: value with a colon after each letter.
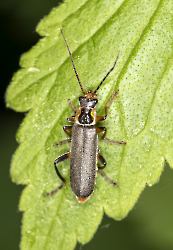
x: 83, y: 138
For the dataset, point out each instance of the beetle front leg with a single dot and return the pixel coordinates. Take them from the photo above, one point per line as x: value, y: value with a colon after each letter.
x: 72, y: 118
x: 101, y: 129
x: 102, y: 118
x: 58, y: 160
x: 103, y: 161
x: 72, y: 106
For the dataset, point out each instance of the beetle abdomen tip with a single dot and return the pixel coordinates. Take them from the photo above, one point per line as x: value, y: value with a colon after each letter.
x: 82, y: 200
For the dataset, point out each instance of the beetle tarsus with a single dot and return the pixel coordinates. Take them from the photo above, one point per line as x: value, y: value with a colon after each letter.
x: 114, y: 142
x: 55, y: 191
x: 107, y: 178
x: 62, y: 142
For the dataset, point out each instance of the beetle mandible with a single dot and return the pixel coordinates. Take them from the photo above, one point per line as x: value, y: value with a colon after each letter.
x: 83, y: 153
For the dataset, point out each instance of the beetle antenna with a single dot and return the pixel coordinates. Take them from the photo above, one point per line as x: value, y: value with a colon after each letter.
x: 107, y: 73
x: 73, y: 63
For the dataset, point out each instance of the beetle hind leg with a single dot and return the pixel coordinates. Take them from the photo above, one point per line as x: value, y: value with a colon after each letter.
x: 55, y: 191
x: 59, y: 159
x: 103, y: 161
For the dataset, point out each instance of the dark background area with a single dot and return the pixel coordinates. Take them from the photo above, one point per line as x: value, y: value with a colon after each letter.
x: 148, y: 226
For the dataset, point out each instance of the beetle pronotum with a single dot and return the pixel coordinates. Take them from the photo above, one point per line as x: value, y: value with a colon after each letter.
x: 83, y: 137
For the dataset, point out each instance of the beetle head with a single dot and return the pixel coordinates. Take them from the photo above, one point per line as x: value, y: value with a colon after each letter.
x: 88, y: 100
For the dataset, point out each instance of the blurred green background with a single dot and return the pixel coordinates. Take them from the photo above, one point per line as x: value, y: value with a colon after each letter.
x: 148, y: 226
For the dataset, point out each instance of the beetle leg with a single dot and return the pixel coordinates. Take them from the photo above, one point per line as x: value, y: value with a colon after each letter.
x: 59, y: 159
x: 62, y: 142
x: 72, y: 106
x: 67, y: 127
x: 71, y: 119
x: 103, y: 161
x: 102, y: 118
x: 101, y: 129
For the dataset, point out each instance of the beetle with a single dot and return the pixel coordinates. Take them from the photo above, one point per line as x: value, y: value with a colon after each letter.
x: 83, y: 138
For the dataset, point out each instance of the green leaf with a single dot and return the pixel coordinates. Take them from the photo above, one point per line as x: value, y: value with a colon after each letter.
x: 141, y: 115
